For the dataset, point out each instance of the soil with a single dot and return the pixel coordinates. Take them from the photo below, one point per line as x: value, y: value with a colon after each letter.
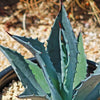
x: 20, y: 20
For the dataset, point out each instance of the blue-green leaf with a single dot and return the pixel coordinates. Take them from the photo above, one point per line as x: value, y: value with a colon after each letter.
x: 87, y: 87
x: 70, y: 39
x: 94, y: 94
x: 53, y: 46
x: 38, y: 74
x: 81, y: 69
x: 64, y: 50
x: 37, y: 48
x: 20, y: 66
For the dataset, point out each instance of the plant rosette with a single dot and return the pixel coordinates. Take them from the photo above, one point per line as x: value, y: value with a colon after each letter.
x: 63, y: 65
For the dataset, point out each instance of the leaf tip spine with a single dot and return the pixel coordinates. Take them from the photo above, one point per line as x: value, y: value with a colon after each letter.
x: 61, y: 2
x: 60, y: 25
x: 8, y: 33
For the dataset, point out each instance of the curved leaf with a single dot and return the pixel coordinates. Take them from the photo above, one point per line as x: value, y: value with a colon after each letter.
x: 81, y: 69
x: 70, y: 39
x: 53, y: 46
x: 38, y: 74
x: 24, y: 73
x: 37, y: 48
x: 95, y: 94
x: 87, y: 87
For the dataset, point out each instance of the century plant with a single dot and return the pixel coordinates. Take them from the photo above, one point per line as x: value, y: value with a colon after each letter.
x: 61, y: 74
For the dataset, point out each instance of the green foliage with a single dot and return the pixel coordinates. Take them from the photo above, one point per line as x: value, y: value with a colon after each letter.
x: 39, y: 77
x: 53, y: 42
x: 24, y: 73
x: 62, y: 68
x: 71, y: 44
x: 94, y: 94
x: 87, y: 87
x: 81, y: 65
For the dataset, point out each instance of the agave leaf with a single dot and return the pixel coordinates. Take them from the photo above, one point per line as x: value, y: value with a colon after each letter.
x: 64, y: 50
x: 81, y: 69
x: 37, y: 48
x: 95, y: 94
x: 26, y: 94
x: 87, y: 87
x: 53, y: 46
x: 70, y: 40
x: 24, y: 73
x: 37, y: 72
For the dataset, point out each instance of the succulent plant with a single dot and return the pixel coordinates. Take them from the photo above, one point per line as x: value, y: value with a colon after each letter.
x: 63, y: 66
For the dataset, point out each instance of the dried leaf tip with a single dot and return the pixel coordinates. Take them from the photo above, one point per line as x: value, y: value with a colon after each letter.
x: 17, y: 96
x: 61, y: 1
x: 60, y: 25
x: 8, y: 33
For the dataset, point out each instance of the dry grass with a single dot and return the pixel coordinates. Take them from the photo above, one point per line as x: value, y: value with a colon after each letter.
x: 86, y: 5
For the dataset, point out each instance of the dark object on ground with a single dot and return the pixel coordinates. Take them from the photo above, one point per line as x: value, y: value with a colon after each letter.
x: 8, y: 74
x: 91, y: 67
x: 4, y: 3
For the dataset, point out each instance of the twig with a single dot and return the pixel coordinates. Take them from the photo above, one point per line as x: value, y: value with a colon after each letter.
x: 24, y: 22
x: 77, y: 1
x: 94, y: 8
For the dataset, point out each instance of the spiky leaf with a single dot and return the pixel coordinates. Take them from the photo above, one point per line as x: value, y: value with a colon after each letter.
x: 37, y: 48
x: 53, y: 46
x: 64, y: 50
x: 20, y: 66
x: 87, y: 87
x: 94, y: 94
x: 70, y: 39
x: 81, y: 69
x: 37, y: 72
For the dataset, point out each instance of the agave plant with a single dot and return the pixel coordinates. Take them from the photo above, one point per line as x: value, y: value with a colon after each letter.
x: 63, y: 66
